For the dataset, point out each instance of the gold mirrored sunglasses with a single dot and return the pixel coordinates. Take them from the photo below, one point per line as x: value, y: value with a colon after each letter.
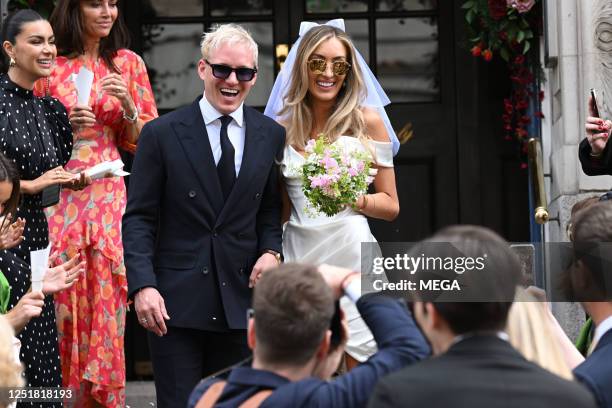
x: 318, y: 66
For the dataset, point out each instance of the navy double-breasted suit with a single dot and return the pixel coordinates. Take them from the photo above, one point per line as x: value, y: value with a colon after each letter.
x: 181, y: 237
x: 178, y: 233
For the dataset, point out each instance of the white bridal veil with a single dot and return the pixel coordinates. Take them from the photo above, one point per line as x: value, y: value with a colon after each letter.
x: 375, y: 96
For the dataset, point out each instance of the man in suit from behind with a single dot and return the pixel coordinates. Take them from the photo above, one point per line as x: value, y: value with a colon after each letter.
x: 295, y: 352
x: 590, y: 281
x: 474, y: 364
x: 203, y: 219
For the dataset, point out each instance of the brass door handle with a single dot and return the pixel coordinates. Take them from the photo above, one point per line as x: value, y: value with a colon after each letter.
x: 406, y: 133
x: 534, y: 153
x: 282, y: 50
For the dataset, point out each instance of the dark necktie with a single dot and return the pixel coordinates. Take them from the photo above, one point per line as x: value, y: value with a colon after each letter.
x: 226, y: 168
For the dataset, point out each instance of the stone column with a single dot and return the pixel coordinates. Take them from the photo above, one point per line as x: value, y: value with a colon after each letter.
x: 581, y: 40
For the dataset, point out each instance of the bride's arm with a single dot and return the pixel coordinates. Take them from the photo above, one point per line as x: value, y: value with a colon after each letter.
x: 384, y: 204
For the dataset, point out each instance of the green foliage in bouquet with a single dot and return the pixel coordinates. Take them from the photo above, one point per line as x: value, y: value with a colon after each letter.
x: 333, y: 178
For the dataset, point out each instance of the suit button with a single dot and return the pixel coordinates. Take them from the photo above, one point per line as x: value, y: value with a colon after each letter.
x: 192, y: 194
x: 257, y: 196
x: 205, y: 270
x: 241, y: 271
x: 215, y: 233
x: 224, y: 284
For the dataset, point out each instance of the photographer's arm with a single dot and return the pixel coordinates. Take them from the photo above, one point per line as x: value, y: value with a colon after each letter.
x: 399, y: 341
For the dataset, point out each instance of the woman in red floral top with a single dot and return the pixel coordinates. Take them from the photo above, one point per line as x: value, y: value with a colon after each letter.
x: 91, y: 316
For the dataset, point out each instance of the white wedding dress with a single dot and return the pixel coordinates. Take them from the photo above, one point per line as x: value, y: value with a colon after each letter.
x: 332, y: 240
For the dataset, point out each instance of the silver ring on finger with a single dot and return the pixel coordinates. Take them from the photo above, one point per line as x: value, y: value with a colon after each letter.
x: 144, y: 321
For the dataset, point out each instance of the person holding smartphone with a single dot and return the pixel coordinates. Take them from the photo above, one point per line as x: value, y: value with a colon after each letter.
x: 594, y: 151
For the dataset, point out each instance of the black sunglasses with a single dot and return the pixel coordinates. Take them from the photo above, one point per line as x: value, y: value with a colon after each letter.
x: 224, y: 71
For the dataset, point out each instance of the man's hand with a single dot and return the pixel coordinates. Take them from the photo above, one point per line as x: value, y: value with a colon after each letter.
x: 151, y: 311
x: 63, y: 276
x: 337, y: 278
x: 265, y: 262
x: 29, y: 306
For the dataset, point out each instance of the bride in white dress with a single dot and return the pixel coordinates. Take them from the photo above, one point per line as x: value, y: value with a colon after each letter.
x: 323, y: 91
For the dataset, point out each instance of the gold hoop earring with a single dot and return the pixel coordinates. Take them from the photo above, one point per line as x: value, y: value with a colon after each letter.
x: 12, y: 62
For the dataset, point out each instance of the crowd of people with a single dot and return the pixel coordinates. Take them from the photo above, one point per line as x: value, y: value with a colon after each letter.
x: 215, y: 205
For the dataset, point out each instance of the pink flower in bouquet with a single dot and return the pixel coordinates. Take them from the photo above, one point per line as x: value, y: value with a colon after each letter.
x: 330, y: 164
x: 522, y: 6
x: 310, y: 146
x: 352, y: 171
x: 319, y: 181
x: 359, y: 165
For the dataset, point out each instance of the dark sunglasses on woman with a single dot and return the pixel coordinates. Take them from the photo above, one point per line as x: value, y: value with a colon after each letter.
x: 224, y: 71
x: 319, y: 66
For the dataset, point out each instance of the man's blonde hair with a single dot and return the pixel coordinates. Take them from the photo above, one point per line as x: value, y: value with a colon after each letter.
x: 227, y: 34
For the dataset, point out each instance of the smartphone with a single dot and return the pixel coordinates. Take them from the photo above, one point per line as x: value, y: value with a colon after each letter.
x: 594, y: 104
x: 336, y: 326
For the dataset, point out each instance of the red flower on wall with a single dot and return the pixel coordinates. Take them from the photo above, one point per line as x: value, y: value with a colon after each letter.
x: 506, y: 28
x: 497, y: 9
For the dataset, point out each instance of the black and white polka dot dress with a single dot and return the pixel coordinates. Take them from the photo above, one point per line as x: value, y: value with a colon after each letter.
x: 36, y: 135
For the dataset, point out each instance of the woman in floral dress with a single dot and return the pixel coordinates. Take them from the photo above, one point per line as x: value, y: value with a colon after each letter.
x: 91, y: 316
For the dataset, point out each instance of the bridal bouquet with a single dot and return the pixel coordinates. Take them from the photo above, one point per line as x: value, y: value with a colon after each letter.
x: 333, y: 178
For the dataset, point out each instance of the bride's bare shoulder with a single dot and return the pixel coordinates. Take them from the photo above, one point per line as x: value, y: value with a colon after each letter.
x: 375, y: 127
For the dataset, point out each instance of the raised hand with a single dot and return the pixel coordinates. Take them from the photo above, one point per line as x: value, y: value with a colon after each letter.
x: 63, y: 276
x: 29, y: 306
x: 81, y: 116
x: 598, y: 130
x: 115, y: 85
x: 11, y: 235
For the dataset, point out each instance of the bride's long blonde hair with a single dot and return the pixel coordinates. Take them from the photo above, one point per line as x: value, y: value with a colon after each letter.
x: 346, y: 117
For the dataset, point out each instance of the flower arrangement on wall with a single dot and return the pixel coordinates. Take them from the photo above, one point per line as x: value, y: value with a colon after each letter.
x: 509, y: 29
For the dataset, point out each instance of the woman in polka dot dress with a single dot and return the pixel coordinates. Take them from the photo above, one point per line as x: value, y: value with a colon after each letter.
x: 91, y: 315
x: 36, y: 136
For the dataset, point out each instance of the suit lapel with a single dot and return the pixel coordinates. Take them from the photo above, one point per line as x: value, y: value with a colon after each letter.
x: 253, y: 146
x: 192, y: 135
x: 605, y: 340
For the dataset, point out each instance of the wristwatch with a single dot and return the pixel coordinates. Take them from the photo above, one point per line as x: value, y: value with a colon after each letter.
x: 272, y: 252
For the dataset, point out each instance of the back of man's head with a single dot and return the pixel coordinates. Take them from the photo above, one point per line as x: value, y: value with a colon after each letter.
x: 293, y: 307
x: 495, y: 284
x: 591, y: 278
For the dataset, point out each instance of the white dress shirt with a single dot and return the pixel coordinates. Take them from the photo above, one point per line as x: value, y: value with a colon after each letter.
x: 236, y: 131
x: 602, y: 329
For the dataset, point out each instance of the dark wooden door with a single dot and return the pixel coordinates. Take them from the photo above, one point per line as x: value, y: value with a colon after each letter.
x: 453, y: 166
x: 410, y: 46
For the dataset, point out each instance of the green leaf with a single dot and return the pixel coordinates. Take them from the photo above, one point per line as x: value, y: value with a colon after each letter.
x: 520, y: 36
x: 469, y: 16
x: 504, y: 54
x: 468, y: 5
x: 528, y: 35
x: 526, y: 47
x: 475, y: 39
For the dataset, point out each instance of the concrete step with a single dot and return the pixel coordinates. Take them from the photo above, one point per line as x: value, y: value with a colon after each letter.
x: 140, y: 394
